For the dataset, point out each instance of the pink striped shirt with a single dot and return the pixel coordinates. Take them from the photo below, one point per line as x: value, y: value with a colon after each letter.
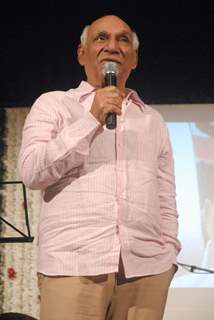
x: 105, y: 192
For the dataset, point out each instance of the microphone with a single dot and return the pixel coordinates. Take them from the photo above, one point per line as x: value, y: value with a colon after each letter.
x: 110, y: 72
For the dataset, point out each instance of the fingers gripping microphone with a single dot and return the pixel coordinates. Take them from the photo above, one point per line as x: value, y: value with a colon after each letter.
x: 110, y: 72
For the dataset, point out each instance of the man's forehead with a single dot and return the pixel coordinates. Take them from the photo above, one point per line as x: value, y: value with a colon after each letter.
x: 110, y: 24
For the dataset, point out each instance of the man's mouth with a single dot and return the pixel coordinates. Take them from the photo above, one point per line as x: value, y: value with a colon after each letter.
x: 110, y: 60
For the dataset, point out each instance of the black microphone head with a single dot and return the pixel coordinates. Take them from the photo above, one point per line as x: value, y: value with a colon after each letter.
x: 110, y: 67
x: 110, y: 73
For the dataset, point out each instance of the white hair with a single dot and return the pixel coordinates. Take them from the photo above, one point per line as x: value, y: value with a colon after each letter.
x: 84, y: 35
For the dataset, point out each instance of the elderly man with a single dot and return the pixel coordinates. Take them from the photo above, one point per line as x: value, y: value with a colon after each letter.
x: 108, y: 226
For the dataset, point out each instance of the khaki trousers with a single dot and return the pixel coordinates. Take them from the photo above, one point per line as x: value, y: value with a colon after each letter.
x: 104, y: 297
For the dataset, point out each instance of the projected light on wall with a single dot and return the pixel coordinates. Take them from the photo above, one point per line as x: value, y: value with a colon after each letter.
x: 192, y: 136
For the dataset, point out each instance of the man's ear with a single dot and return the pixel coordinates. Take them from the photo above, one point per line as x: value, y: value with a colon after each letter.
x: 80, y: 54
x: 135, y: 61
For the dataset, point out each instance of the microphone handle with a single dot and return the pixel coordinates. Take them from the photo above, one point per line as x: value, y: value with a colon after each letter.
x: 111, y: 118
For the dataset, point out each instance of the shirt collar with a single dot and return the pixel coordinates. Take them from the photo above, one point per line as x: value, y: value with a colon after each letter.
x: 82, y: 91
x: 85, y: 89
x: 133, y: 95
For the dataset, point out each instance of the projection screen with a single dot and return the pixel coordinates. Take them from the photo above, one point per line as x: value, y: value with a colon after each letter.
x: 191, y: 129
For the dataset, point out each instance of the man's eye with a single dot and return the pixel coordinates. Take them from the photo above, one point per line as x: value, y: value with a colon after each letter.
x: 125, y: 39
x: 101, y: 37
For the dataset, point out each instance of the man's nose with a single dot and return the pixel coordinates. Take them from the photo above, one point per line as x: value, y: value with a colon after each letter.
x: 112, y: 45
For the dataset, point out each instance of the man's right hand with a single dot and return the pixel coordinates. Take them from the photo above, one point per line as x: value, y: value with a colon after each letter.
x: 107, y: 99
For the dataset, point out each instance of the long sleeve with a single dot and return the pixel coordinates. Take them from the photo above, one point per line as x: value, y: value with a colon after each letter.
x: 51, y: 146
x: 167, y: 193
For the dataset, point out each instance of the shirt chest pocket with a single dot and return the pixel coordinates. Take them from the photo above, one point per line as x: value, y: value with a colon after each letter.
x: 103, y: 148
x: 140, y: 142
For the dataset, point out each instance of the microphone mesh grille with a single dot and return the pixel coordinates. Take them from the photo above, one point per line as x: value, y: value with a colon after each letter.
x: 110, y: 67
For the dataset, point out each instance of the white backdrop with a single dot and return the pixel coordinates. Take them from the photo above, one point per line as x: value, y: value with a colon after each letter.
x: 191, y: 129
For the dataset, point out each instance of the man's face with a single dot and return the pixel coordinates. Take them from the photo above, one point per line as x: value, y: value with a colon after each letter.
x: 108, y: 39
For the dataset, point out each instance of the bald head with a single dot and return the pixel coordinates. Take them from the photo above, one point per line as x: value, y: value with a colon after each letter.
x: 86, y: 30
x: 108, y: 39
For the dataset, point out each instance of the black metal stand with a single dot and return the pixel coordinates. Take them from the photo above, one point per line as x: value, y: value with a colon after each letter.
x: 195, y: 269
x: 24, y: 237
